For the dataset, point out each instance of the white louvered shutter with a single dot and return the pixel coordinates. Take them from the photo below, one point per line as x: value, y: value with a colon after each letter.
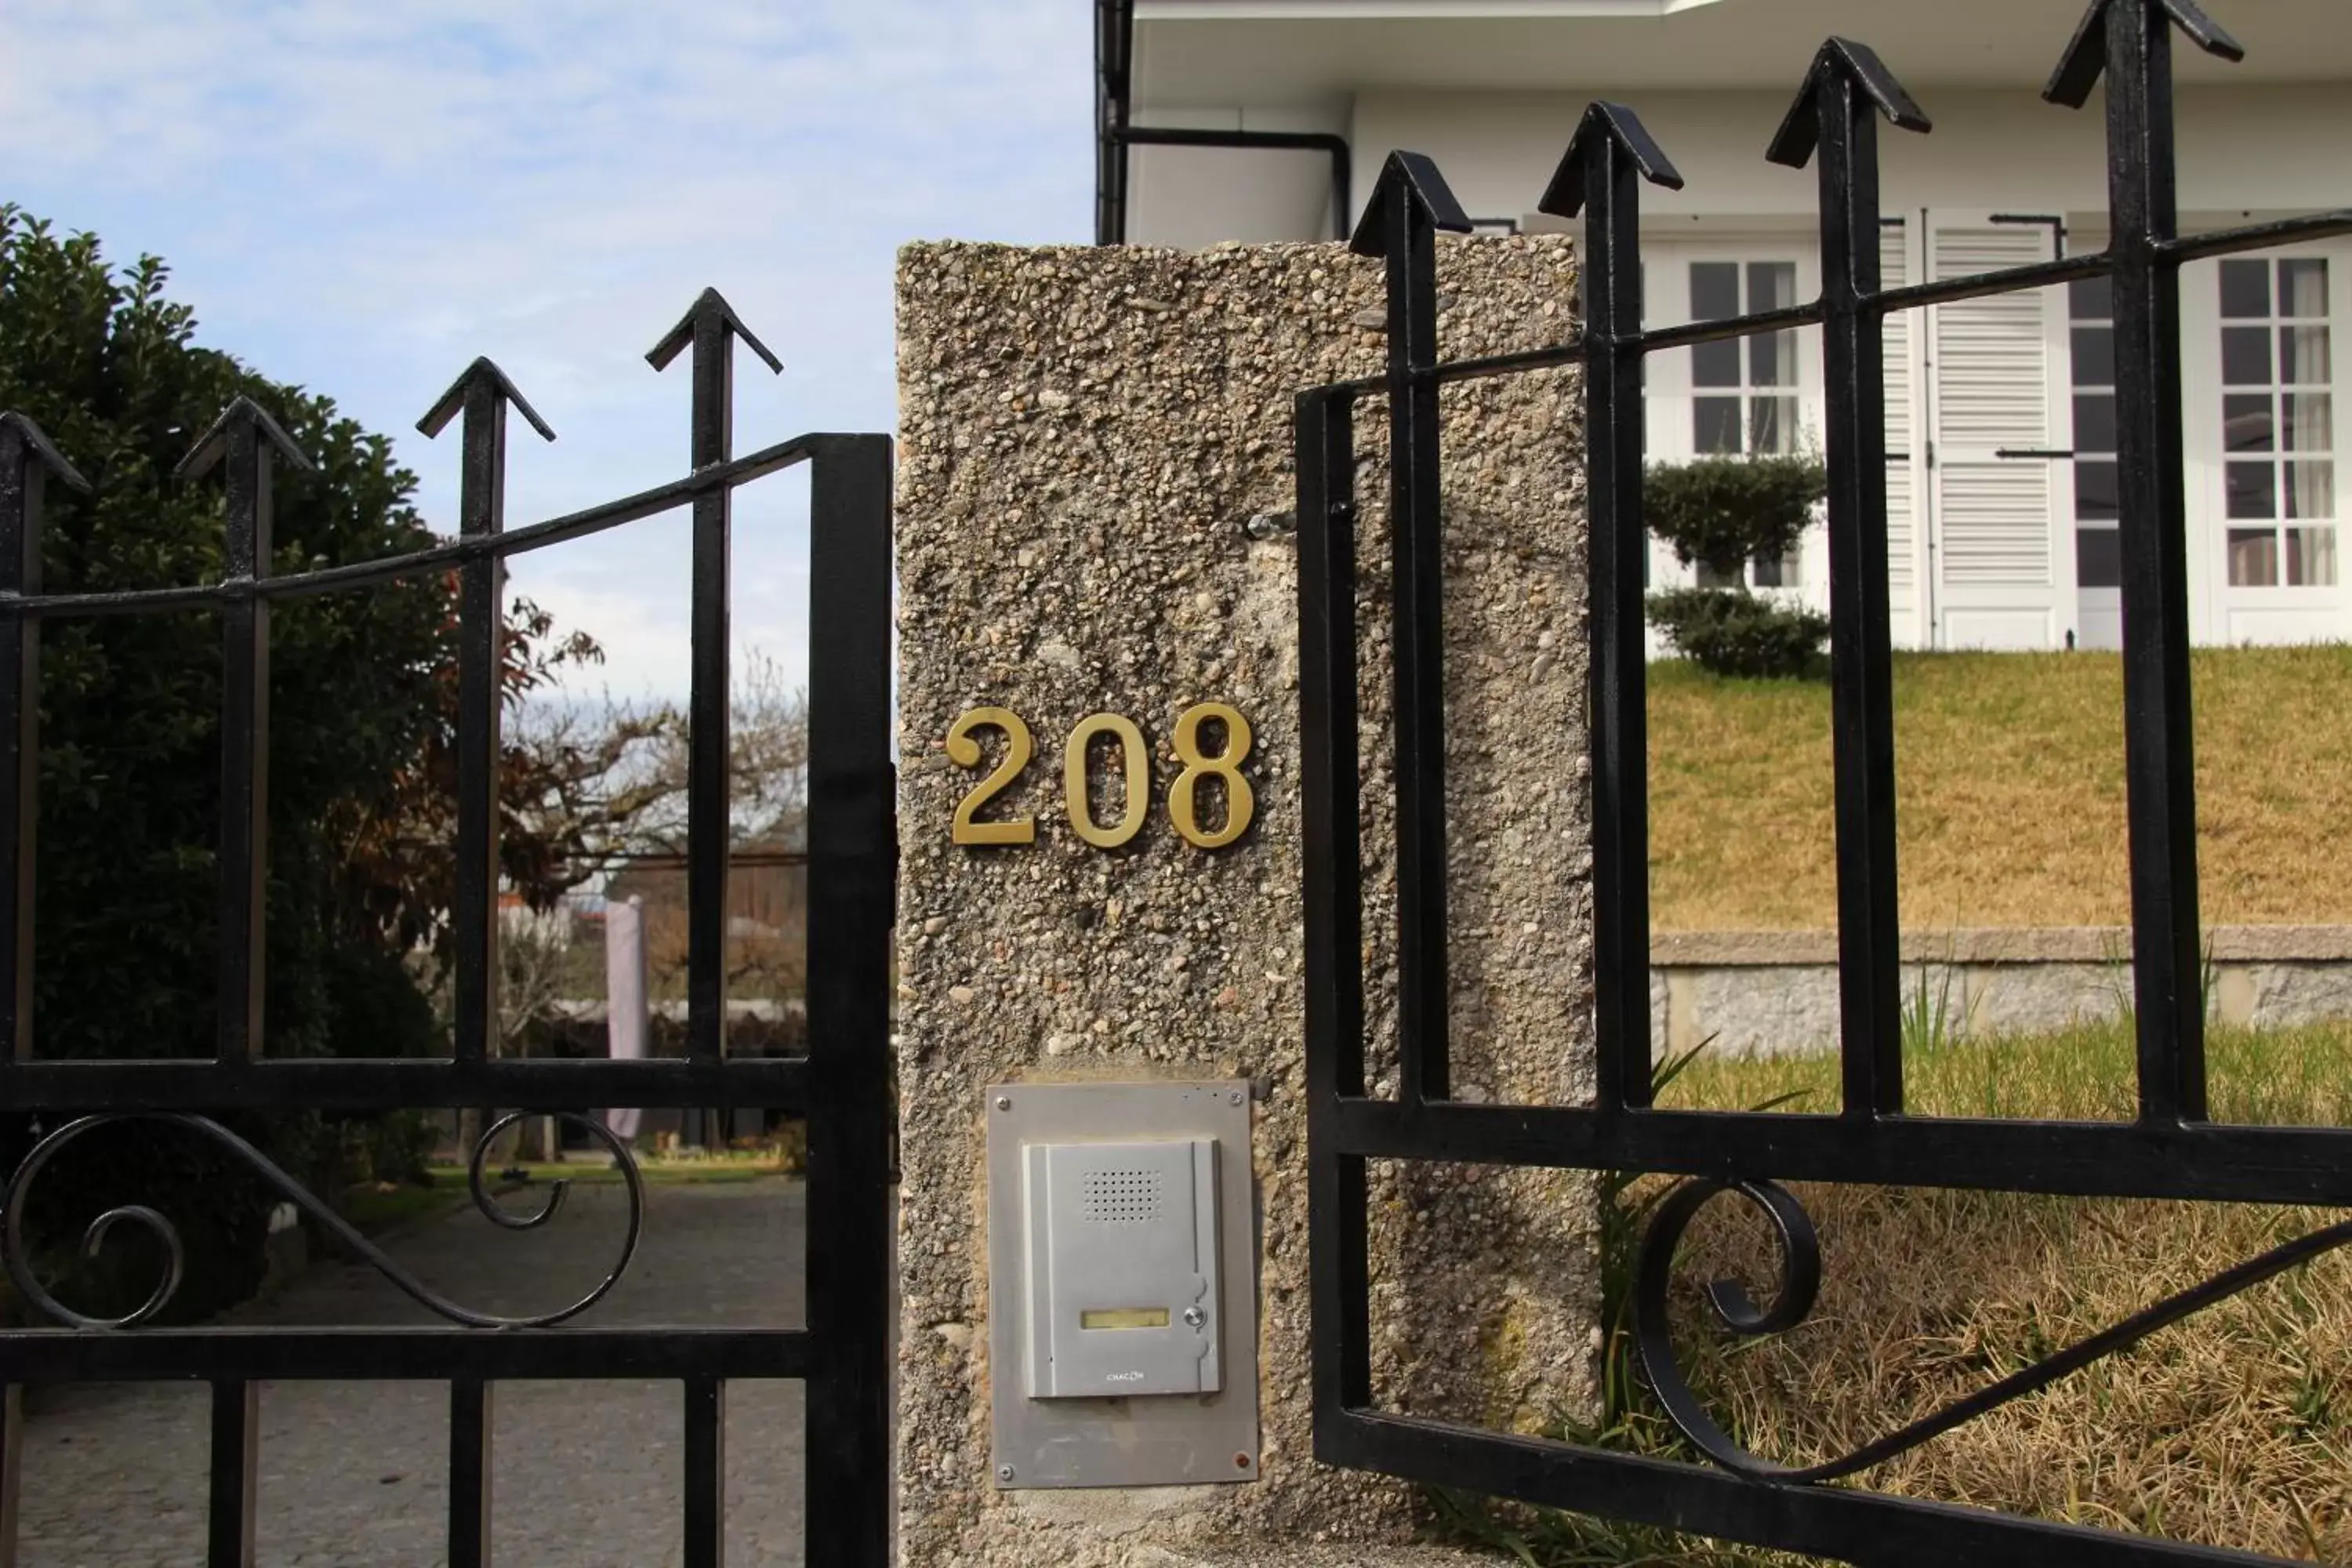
x: 1990, y: 366
x: 1905, y: 460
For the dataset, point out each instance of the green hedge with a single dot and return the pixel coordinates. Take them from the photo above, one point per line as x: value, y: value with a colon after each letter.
x: 1735, y: 633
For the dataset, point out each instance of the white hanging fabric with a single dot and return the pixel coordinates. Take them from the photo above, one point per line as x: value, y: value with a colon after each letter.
x: 625, y: 997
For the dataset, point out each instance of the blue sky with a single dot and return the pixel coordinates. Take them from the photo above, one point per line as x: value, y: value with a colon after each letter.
x: 361, y: 197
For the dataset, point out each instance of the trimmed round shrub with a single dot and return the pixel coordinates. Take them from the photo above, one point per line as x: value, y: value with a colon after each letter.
x: 1734, y: 632
x: 1725, y: 512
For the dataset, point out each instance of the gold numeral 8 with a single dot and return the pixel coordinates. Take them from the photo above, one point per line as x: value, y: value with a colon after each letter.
x: 1182, y: 795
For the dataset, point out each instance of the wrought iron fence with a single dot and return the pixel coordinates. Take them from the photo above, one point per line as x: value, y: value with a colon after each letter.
x: 2173, y: 1150
x: 842, y: 1353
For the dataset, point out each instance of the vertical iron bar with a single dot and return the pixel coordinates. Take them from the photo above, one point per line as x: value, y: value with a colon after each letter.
x: 1417, y: 553
x: 706, y: 1474
x: 1862, y: 661
x: 22, y: 480
x: 481, y: 507
x: 2159, y: 736
x: 1330, y: 812
x: 12, y: 1469
x: 236, y: 1426
x: 1114, y: 51
x: 853, y: 864
x: 709, y: 833
x: 1618, y: 674
x: 470, y: 1436
x: 244, y: 747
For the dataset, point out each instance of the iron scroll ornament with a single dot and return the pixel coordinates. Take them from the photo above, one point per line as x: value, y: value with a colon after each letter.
x: 1799, y: 1284
x: 20, y: 1186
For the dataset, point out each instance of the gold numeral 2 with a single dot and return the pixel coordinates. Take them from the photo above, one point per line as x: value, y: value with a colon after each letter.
x: 964, y: 752
x: 1182, y: 795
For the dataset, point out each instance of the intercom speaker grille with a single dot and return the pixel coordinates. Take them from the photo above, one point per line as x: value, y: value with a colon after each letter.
x: 1121, y: 1197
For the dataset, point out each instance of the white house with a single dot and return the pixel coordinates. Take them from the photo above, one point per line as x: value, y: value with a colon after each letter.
x: 2003, y: 495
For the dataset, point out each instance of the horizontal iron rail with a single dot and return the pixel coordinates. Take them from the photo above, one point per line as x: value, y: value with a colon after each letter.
x: 778, y: 1083
x: 441, y: 558
x: 2206, y: 1161
x: 2258, y: 236
x: 1910, y: 296
x: 1832, y: 1521
x: 287, y: 1354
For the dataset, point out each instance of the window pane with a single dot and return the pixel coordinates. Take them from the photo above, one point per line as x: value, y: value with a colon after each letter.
x: 1772, y: 360
x: 2303, y: 356
x: 2245, y: 288
x: 1715, y: 364
x: 2095, y: 495
x: 2308, y: 422
x: 2302, y: 287
x: 2095, y: 422
x: 1709, y: 577
x: 2253, y: 558
x: 2253, y: 489
x: 1714, y: 289
x: 2092, y: 298
x: 1771, y: 424
x: 2311, y: 557
x: 1715, y: 424
x: 1771, y: 285
x: 2311, y: 491
x: 2098, y: 558
x: 1765, y: 573
x: 2245, y: 356
x: 2246, y: 422
x: 2095, y: 356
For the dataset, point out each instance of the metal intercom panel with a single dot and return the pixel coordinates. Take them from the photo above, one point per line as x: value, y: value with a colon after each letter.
x: 1122, y: 1290
x: 1120, y: 1244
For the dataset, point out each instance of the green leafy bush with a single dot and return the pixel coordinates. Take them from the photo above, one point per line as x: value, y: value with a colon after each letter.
x: 363, y: 690
x: 1733, y: 632
x: 1722, y: 513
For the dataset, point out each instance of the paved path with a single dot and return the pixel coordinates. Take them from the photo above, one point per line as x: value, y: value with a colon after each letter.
x: 355, y: 1475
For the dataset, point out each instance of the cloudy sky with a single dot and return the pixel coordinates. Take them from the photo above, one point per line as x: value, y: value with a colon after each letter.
x: 359, y: 195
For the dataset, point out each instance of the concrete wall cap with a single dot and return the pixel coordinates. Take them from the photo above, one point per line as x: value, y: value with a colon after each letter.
x: 1996, y: 945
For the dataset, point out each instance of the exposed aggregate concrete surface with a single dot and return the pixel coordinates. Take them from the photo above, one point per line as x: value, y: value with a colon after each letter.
x: 1085, y: 434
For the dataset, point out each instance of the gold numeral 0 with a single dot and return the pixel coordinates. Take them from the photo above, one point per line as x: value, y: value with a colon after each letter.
x: 1240, y: 804
x: 1138, y: 763
x: 964, y: 752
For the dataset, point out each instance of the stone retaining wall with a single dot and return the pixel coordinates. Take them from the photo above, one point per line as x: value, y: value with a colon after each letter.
x: 1764, y: 992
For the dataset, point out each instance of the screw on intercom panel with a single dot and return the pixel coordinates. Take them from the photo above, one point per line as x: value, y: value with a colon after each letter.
x: 1004, y: 1102
x: 1194, y: 1316
x: 1235, y: 1096
x: 1003, y: 1472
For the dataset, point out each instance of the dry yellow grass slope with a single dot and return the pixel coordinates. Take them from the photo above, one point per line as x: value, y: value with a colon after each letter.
x: 2009, y: 783
x: 2231, y: 1429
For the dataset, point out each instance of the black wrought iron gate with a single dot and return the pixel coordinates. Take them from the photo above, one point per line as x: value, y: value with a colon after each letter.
x: 2172, y: 1150
x: 842, y: 1353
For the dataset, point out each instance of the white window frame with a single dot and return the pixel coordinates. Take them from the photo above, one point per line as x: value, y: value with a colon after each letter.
x: 2230, y: 613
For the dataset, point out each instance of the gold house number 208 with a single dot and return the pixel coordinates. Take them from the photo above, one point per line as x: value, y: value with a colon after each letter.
x: 1184, y: 794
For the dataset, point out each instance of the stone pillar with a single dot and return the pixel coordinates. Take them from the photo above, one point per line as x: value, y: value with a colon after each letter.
x: 1086, y: 436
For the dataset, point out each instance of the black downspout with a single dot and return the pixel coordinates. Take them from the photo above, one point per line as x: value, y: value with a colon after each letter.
x: 1114, y: 53
x: 1114, y: 85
